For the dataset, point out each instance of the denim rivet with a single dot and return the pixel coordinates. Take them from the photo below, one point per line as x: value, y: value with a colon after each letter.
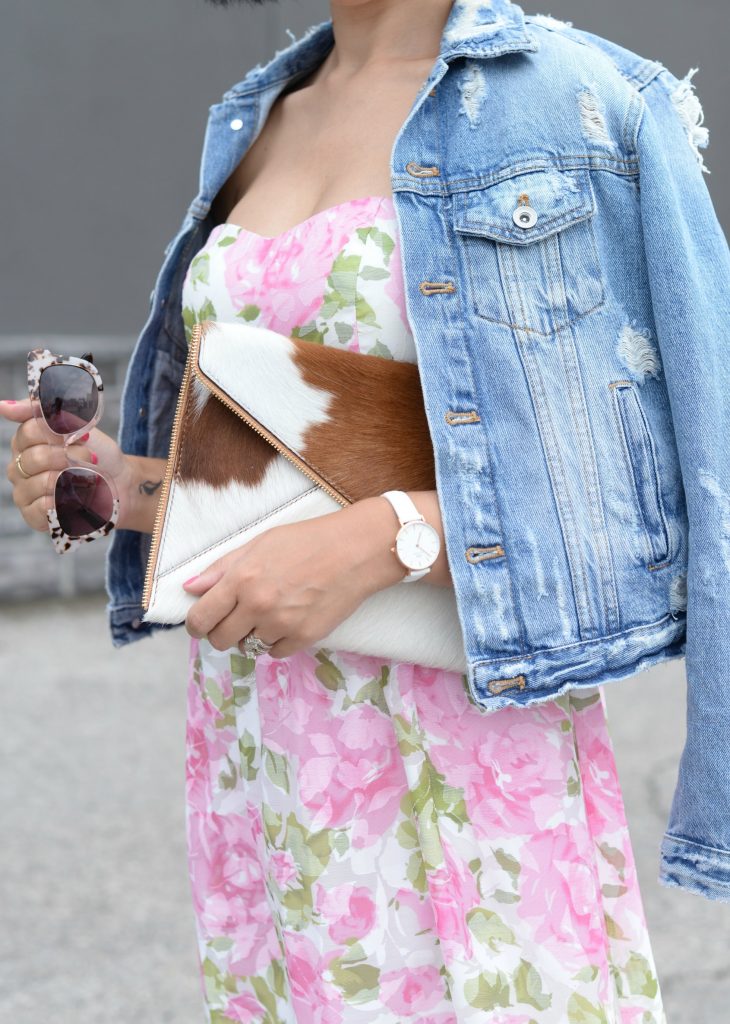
x: 524, y: 217
x: 236, y: 124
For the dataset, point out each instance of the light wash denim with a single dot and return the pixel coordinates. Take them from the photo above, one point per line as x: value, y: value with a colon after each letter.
x: 567, y: 286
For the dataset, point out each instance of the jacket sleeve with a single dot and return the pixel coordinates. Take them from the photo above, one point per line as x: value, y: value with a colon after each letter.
x: 688, y: 267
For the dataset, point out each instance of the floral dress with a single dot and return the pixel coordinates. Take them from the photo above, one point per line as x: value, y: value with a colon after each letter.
x: 366, y: 844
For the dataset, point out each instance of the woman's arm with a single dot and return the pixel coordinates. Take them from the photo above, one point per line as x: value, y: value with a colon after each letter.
x: 375, y: 524
x: 140, y: 486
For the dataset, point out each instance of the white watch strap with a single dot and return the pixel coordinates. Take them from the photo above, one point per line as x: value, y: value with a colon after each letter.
x: 403, y: 506
x: 406, y: 512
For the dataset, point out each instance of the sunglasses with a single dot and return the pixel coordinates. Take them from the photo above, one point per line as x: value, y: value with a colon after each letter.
x: 66, y: 399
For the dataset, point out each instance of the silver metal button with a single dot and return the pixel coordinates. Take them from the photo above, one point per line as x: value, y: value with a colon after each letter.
x: 524, y: 217
x: 236, y: 124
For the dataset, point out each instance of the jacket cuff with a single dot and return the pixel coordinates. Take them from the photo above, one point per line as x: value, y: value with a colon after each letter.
x: 700, y: 869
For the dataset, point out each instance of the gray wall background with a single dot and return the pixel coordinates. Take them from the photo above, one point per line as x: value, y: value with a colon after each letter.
x: 103, y: 105
x: 102, y: 113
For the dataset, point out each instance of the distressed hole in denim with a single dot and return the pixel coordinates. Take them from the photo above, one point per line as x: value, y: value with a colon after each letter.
x: 592, y: 119
x: 687, y: 104
x: 466, y: 15
x: 678, y: 594
x: 473, y: 89
x: 637, y: 352
x: 547, y: 21
x: 713, y: 487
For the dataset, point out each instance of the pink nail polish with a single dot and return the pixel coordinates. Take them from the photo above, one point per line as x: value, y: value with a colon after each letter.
x: 84, y: 437
x: 9, y: 401
x: 190, y: 580
x: 94, y: 458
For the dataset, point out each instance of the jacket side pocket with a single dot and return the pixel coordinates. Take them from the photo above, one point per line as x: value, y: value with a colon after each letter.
x: 641, y: 460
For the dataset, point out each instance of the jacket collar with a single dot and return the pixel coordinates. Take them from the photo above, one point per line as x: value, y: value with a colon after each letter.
x: 474, y: 28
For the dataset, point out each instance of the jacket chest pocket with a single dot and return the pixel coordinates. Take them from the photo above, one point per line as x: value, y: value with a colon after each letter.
x: 529, y: 249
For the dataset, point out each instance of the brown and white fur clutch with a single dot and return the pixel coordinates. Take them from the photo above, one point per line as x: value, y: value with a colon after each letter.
x: 270, y: 429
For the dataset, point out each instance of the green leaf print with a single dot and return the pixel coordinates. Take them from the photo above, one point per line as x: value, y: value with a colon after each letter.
x: 379, y: 349
x: 507, y: 861
x: 374, y: 273
x: 249, y: 312
x: 380, y: 238
x: 328, y: 673
x: 581, y: 1011
x: 580, y: 703
x: 342, y: 279
x: 228, y: 240
x: 506, y: 897
x: 241, y: 666
x: 227, y: 780
x: 341, y: 842
x: 213, y: 692
x: 189, y: 318
x: 264, y: 994
x: 372, y: 692
x: 614, y: 857
x: 365, y: 312
x: 489, y: 928
x: 487, y: 991
x: 207, y: 311
x: 407, y: 835
x: 613, y: 929
x: 277, y: 978
x: 640, y: 976
x: 416, y: 871
x: 528, y: 987
x: 276, y: 768
x: 407, y: 734
x: 247, y: 754
x: 344, y: 331
x: 358, y: 983
x: 614, y: 891
x: 200, y: 268
x: 308, y: 332
x: 588, y: 973
x: 272, y: 823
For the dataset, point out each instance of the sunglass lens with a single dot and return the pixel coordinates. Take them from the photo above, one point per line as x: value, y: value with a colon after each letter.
x: 69, y: 397
x: 84, y: 501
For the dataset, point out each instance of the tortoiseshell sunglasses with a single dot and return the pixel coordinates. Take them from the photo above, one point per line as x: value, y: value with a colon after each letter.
x: 66, y: 399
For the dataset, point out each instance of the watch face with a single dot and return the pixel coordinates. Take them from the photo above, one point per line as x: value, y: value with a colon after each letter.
x: 417, y: 545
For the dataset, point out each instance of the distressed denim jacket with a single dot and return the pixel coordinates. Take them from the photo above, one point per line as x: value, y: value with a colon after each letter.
x: 567, y: 287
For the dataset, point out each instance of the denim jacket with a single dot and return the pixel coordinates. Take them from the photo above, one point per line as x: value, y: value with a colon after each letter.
x: 567, y: 289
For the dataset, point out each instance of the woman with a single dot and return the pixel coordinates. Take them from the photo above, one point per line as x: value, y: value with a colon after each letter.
x: 364, y: 843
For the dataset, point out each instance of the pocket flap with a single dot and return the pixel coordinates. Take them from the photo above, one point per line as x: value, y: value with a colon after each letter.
x: 557, y: 197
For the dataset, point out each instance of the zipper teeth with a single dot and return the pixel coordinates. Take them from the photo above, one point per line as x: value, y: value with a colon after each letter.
x: 274, y: 442
x: 190, y: 368
x: 169, y: 468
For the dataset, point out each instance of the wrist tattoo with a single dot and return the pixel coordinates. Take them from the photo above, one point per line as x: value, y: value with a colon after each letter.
x: 149, y: 486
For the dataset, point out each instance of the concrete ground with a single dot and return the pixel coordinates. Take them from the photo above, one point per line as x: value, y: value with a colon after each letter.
x: 96, y: 922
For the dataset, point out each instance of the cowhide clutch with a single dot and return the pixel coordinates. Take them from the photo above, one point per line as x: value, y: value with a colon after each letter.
x: 270, y: 429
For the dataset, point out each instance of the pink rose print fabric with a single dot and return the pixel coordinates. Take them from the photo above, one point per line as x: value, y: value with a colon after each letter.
x: 366, y: 846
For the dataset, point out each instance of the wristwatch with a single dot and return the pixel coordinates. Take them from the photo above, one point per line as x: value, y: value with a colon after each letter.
x: 417, y: 543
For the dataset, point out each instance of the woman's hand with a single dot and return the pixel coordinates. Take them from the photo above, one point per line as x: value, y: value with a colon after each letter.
x: 295, y: 583
x: 39, y: 459
x: 138, y: 479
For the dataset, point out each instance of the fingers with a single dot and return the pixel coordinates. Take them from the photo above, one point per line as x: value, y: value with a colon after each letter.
x: 16, y: 410
x: 40, y: 462
x: 209, y: 611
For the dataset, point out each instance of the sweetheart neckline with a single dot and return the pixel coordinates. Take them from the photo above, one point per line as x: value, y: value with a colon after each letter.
x: 302, y: 223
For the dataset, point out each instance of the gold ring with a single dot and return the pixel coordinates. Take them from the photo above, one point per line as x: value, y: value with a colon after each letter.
x: 20, y: 467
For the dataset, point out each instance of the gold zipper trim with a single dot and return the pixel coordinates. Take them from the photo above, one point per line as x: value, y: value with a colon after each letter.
x: 169, y: 471
x: 192, y: 367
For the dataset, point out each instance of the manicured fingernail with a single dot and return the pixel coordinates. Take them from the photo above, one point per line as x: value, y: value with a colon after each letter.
x: 94, y: 458
x: 190, y: 580
x: 8, y: 401
x: 84, y: 437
